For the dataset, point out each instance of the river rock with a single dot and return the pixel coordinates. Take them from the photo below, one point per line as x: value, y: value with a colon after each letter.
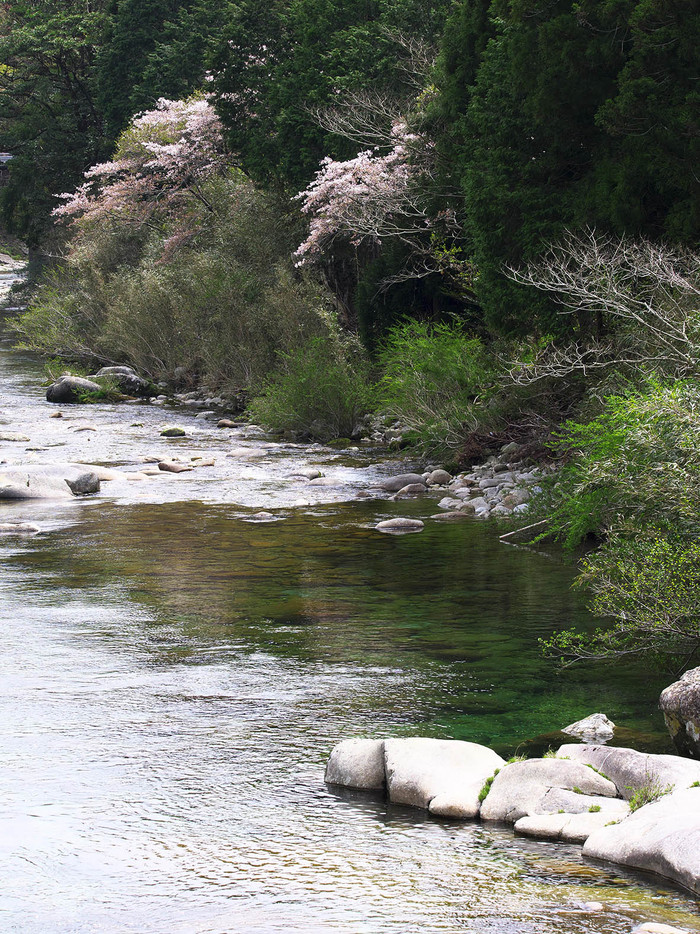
x: 84, y: 484
x: 394, y: 484
x: 661, y: 837
x: 18, y: 528
x: 39, y: 481
x: 449, y: 502
x: 631, y: 770
x: 680, y: 703
x: 306, y: 473
x: 172, y: 431
x: 71, y: 389
x: 12, y: 436
x: 439, y: 478
x: 444, y: 776
x: 651, y: 927
x: 521, y: 788
x: 173, y: 467
x: 127, y: 380
x: 400, y: 524
x: 594, y: 728
x: 357, y: 763
x: 411, y: 489
x: 569, y: 828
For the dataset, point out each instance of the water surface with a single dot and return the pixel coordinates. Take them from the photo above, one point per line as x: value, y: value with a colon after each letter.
x: 174, y: 675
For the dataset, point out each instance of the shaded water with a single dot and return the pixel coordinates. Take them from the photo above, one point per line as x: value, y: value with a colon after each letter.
x: 174, y: 675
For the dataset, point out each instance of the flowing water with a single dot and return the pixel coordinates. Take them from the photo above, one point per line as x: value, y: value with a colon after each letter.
x: 175, y: 672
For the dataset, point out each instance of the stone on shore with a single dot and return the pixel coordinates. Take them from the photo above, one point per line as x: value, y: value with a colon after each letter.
x: 680, y: 703
x: 394, y: 484
x: 523, y: 789
x: 631, y: 770
x: 400, y: 525
x: 357, y: 763
x: 69, y: 389
x: 444, y: 776
x: 594, y: 728
x: 662, y: 837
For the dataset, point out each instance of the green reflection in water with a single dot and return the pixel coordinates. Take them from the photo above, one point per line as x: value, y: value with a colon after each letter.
x: 452, y: 605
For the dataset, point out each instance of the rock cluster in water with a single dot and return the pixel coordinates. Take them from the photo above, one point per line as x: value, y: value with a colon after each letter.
x: 624, y: 806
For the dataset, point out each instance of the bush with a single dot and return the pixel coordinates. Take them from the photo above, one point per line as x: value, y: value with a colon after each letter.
x: 633, y: 466
x: 633, y: 481
x: 322, y: 391
x: 222, y: 301
x: 435, y: 380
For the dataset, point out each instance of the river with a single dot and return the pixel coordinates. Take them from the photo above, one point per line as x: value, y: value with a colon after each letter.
x: 175, y: 672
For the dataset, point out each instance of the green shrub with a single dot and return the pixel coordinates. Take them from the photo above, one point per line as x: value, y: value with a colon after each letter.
x: 647, y: 793
x: 435, y: 377
x: 322, y: 391
x: 222, y: 300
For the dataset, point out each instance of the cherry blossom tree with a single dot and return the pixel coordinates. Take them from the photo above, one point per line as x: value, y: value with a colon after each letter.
x: 161, y: 164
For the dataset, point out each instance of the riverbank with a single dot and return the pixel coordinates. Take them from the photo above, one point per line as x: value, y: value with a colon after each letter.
x: 641, y: 811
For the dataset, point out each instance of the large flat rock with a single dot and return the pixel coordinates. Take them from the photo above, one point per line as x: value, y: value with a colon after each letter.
x: 631, y: 770
x: 444, y: 776
x: 48, y: 481
x: 661, y: 837
x: 522, y: 789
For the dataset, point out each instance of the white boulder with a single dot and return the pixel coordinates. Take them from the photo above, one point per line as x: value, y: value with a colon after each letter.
x: 631, y: 770
x: 357, y: 763
x: 661, y: 837
x: 444, y: 776
x: 521, y: 788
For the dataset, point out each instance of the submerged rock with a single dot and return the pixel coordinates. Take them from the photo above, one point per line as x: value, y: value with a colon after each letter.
x: 18, y: 528
x: 38, y: 481
x: 400, y: 525
x: 680, y: 703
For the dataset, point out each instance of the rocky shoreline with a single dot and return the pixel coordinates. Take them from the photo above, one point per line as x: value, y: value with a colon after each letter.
x: 633, y: 809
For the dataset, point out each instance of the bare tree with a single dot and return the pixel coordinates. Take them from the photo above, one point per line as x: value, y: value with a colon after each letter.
x: 646, y: 295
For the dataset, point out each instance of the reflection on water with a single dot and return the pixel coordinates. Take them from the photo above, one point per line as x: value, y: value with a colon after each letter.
x: 173, y: 679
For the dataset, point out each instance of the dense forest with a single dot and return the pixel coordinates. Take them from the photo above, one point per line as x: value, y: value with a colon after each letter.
x: 478, y: 217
